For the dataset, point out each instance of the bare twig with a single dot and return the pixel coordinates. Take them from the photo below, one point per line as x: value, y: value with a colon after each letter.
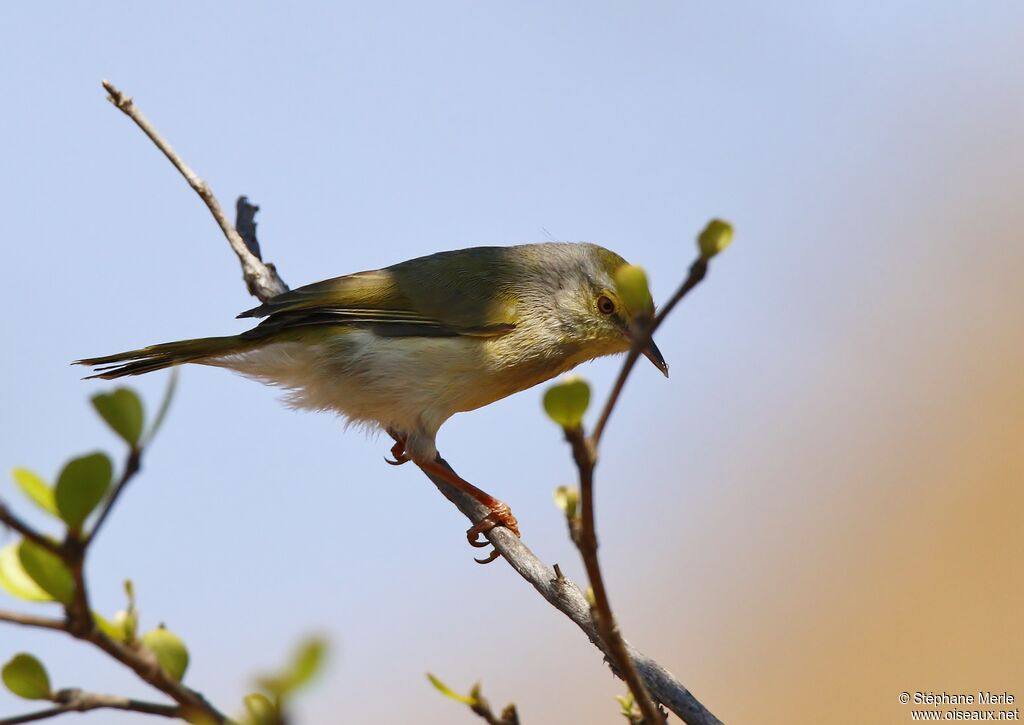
x: 261, y: 279
x: 131, y: 467
x: 508, y: 716
x: 75, y: 700
x: 559, y: 591
x: 31, y: 620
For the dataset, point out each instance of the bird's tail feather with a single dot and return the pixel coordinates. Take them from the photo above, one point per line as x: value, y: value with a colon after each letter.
x: 158, y: 357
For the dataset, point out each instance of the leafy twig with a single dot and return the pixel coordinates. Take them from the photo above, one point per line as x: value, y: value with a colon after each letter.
x: 80, y: 624
x: 697, y: 271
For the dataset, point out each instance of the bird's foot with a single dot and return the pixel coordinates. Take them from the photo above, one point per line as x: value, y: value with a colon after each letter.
x: 500, y: 515
x: 398, y: 453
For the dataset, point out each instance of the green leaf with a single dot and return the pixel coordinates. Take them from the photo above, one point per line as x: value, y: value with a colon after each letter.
x: 567, y: 498
x: 567, y: 401
x: 165, y: 405
x: 48, y: 571
x: 26, y: 677
x: 449, y: 692
x: 717, y: 235
x: 15, y: 580
x: 631, y: 283
x: 122, y: 410
x: 81, y: 486
x: 260, y: 709
x: 170, y: 651
x: 306, y: 662
x: 114, y: 629
x: 36, y: 489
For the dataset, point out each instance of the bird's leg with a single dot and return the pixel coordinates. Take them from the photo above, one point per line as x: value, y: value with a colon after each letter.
x: 500, y: 514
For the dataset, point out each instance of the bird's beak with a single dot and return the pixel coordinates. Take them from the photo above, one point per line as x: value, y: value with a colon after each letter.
x: 652, y: 353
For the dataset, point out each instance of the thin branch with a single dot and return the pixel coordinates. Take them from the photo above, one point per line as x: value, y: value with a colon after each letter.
x: 585, y: 457
x: 31, y: 620
x: 565, y: 596
x: 261, y: 279
x: 78, y: 701
x: 12, y: 521
x: 584, y: 452
x: 144, y: 664
x: 131, y: 467
x: 697, y: 272
x: 559, y: 591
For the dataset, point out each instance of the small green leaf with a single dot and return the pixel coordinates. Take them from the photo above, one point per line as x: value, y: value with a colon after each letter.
x: 306, y: 662
x: 48, y: 571
x: 26, y: 677
x: 122, y: 410
x: 36, y: 489
x: 631, y: 283
x: 170, y: 651
x: 449, y: 692
x: 567, y: 401
x: 260, y: 709
x: 717, y: 235
x: 627, y: 703
x: 15, y: 580
x: 113, y: 629
x: 567, y: 498
x: 81, y: 486
x: 165, y: 405
x: 589, y: 596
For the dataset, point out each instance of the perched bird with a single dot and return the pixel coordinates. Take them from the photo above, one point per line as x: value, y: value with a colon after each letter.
x: 406, y: 347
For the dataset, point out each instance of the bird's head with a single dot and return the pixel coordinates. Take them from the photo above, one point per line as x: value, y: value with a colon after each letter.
x: 594, y: 312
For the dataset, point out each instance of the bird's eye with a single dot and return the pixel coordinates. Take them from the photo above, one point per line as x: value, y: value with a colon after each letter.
x: 604, y: 305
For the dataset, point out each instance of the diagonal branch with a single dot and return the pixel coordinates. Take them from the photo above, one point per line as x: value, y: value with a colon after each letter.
x: 131, y: 467
x: 9, y: 518
x: 260, y: 278
x: 697, y: 272
x: 559, y: 591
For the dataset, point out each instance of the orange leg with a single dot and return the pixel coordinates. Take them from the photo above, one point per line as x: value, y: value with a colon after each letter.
x: 500, y: 514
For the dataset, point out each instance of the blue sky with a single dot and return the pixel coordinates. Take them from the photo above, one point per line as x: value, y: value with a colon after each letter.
x: 869, y: 156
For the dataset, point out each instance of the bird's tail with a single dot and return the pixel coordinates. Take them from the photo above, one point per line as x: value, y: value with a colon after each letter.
x: 158, y: 357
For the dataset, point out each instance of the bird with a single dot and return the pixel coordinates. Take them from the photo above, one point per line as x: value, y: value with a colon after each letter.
x: 405, y: 347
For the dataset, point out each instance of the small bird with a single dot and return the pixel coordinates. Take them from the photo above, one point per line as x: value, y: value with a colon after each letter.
x: 405, y: 347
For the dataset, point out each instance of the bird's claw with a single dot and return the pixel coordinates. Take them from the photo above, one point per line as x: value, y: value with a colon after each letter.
x: 500, y: 515
x: 398, y: 451
x: 490, y: 557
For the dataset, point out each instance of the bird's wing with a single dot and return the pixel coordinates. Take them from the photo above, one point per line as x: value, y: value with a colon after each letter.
x: 442, y: 295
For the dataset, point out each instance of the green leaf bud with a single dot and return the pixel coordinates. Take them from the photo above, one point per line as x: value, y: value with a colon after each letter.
x: 565, y: 402
x: 717, y: 235
x: 170, y: 651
